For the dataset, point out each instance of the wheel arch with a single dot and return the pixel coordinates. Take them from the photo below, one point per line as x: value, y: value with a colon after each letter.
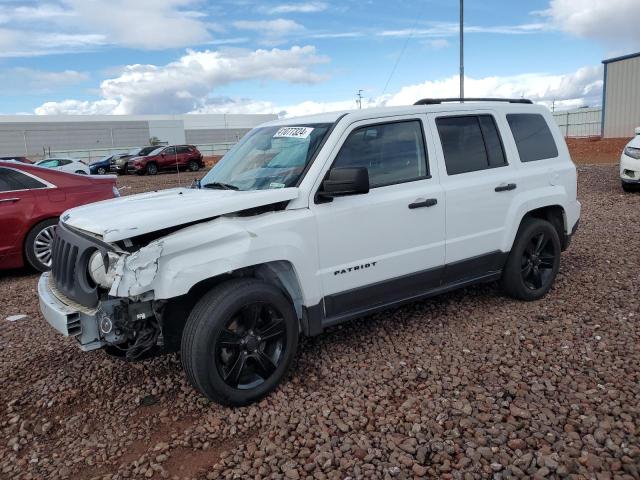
x: 279, y: 273
x: 554, y: 214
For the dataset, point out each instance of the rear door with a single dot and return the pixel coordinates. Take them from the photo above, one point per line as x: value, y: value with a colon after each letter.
x: 184, y: 155
x: 479, y: 185
x: 388, y: 244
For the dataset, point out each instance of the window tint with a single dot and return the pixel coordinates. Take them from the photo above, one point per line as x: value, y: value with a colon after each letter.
x: 183, y: 149
x: 169, y: 151
x: 65, y: 162
x: 11, y: 180
x: 533, y: 137
x: 470, y: 143
x: 49, y: 163
x: 392, y: 152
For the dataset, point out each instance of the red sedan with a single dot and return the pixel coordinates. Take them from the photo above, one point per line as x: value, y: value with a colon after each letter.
x: 31, y: 200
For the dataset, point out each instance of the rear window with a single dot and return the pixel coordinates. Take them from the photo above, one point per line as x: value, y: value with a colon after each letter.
x: 11, y: 180
x: 470, y: 143
x: 533, y: 137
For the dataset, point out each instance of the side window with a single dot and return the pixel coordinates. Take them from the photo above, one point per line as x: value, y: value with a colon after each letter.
x: 169, y: 151
x: 470, y: 143
x: 392, y: 152
x: 183, y: 149
x: 49, y: 164
x: 11, y: 180
x: 533, y: 137
x: 65, y: 162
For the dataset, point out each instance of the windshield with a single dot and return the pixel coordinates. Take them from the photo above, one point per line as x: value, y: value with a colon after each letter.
x: 267, y: 157
x: 153, y: 152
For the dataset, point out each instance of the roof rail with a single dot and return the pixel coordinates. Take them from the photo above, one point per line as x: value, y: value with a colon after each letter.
x: 436, y: 101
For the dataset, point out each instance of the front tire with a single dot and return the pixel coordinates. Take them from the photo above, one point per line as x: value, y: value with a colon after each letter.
x: 239, y: 341
x: 627, y: 187
x: 533, y: 262
x: 152, y: 169
x: 37, y: 245
x: 102, y: 171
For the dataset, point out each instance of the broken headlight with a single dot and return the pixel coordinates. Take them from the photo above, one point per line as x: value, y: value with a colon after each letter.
x: 101, y: 268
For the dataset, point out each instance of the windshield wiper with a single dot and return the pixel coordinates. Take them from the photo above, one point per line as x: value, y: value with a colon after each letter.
x: 220, y: 186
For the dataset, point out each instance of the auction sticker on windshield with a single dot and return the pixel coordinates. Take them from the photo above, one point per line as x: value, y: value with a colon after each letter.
x: 293, y: 132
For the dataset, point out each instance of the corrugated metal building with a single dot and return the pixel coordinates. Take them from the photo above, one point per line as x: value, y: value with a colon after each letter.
x: 31, y: 135
x: 621, y: 96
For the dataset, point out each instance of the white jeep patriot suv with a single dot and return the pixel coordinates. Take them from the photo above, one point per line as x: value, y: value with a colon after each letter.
x: 310, y: 222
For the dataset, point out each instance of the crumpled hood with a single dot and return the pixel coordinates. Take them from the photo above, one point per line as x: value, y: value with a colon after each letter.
x: 127, y: 217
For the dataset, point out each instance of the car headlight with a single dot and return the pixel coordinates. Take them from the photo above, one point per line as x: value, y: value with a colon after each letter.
x: 100, y: 273
x: 632, y: 152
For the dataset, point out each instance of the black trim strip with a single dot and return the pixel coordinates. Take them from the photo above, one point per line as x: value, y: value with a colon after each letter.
x: 371, y: 298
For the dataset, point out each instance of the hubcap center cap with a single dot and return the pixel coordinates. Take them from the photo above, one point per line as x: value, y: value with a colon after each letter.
x: 251, y: 343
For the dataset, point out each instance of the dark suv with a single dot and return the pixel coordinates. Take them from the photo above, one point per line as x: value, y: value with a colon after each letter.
x: 118, y: 163
x: 167, y: 158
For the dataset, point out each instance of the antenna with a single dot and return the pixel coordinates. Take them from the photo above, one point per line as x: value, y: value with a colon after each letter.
x: 359, y: 98
x: 461, y: 51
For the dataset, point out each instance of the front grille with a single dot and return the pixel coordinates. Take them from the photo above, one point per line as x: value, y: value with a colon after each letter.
x: 70, y: 259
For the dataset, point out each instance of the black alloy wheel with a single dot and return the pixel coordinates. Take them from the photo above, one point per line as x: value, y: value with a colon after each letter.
x: 534, y: 260
x: 239, y: 341
x: 193, y: 166
x: 102, y: 171
x: 538, y: 261
x: 251, y: 346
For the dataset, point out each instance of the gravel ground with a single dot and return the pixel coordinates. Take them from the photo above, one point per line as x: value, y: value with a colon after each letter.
x: 467, y: 385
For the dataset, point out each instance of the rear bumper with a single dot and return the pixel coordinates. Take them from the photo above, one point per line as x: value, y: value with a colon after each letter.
x: 66, y: 319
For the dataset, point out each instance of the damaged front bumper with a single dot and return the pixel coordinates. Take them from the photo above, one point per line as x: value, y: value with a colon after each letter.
x: 68, y: 319
x: 115, y: 321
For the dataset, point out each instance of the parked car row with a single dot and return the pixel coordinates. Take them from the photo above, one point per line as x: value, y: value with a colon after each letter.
x: 151, y: 160
x: 31, y: 200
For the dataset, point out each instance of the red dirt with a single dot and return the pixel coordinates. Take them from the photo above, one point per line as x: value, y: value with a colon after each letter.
x: 596, y: 149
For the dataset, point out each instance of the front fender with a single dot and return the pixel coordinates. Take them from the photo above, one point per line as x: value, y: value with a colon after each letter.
x: 220, y: 246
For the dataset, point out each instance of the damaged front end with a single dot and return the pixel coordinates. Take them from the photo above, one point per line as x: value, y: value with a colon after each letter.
x: 101, y: 293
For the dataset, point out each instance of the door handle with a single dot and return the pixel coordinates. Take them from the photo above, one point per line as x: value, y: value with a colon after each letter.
x: 506, y: 187
x: 9, y: 200
x: 423, y: 203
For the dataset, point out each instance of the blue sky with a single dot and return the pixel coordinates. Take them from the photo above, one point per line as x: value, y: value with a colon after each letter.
x: 178, y: 56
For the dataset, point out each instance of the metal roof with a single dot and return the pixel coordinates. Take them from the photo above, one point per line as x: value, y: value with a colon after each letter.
x: 623, y: 57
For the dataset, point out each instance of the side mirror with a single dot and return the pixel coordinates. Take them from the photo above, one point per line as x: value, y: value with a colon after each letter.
x: 341, y: 182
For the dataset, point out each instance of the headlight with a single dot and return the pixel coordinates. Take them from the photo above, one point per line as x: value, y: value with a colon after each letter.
x: 632, y: 152
x: 100, y: 273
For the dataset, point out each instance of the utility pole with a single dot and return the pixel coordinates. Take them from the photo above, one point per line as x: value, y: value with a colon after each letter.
x: 461, y: 50
x: 359, y: 98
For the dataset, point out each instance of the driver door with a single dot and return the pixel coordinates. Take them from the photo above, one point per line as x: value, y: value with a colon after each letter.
x: 389, y: 244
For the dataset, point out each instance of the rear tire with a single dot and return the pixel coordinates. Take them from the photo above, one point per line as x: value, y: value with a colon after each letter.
x: 239, y: 341
x: 533, y: 262
x: 37, y: 245
x: 152, y: 169
x: 102, y: 171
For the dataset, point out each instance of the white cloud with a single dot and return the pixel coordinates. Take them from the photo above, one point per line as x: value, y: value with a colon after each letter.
x: 437, y: 43
x: 616, y: 22
x: 28, y: 80
x: 186, y: 84
x: 138, y: 89
x: 300, y: 7
x: 273, y: 32
x: 448, y: 29
x: 85, y: 24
